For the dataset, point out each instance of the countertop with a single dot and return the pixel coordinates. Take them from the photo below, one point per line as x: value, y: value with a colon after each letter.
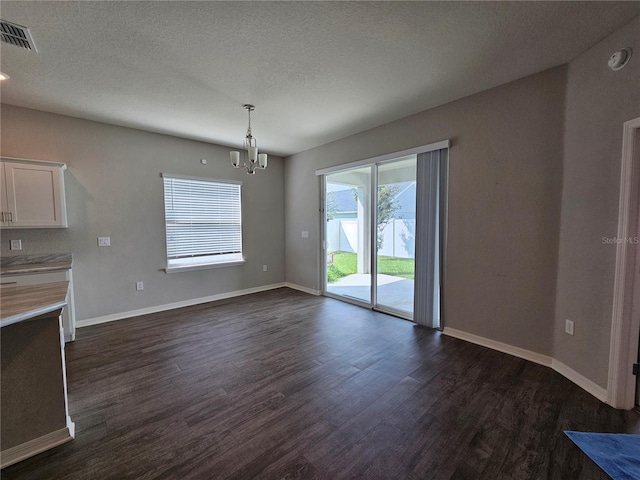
x: 35, y: 268
x: 21, y: 264
x: 30, y: 301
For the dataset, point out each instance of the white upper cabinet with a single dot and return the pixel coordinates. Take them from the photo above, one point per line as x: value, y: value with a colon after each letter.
x: 32, y: 194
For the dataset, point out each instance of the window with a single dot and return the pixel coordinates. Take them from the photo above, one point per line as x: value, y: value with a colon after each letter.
x: 203, y: 222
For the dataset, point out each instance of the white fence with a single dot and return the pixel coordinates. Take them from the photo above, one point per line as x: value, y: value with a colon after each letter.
x: 398, y: 237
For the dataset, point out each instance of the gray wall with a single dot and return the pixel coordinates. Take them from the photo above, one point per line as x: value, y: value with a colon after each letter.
x: 504, y: 211
x: 599, y: 101
x: 113, y: 188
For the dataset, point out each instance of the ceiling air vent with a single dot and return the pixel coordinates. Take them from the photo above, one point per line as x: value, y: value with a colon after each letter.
x: 17, y: 35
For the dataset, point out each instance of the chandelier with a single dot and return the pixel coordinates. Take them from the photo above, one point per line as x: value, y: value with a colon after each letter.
x: 251, y: 159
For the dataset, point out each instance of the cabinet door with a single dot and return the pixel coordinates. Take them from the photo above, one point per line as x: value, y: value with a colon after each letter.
x: 35, y: 195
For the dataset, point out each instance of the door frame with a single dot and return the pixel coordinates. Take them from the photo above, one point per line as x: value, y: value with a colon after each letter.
x: 625, y: 325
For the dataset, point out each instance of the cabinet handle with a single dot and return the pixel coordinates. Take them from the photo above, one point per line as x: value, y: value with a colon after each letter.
x: 11, y: 217
x: 3, y: 217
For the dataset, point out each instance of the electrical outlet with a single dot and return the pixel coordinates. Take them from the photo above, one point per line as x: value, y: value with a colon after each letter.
x: 139, y: 286
x: 304, y: 234
x: 264, y: 268
x: 104, y: 241
x: 16, y: 245
x: 568, y: 326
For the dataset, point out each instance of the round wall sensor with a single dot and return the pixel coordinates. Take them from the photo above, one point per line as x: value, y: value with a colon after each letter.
x: 620, y: 58
x: 203, y: 161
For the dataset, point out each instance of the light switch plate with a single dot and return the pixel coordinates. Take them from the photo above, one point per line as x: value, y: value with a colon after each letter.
x: 16, y: 245
x: 304, y: 234
x: 104, y: 241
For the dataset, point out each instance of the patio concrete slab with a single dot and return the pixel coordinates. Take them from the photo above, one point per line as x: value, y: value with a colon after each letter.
x: 394, y: 292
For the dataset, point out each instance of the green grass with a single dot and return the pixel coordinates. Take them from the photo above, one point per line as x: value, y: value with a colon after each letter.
x: 345, y: 264
x: 397, y: 267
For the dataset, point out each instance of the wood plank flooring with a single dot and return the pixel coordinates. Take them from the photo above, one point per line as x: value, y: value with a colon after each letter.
x: 284, y: 385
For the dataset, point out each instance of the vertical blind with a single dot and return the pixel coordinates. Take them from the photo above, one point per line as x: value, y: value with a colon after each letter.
x: 431, y: 203
x: 203, y: 218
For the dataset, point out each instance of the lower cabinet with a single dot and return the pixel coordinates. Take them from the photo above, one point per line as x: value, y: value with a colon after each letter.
x: 34, y: 407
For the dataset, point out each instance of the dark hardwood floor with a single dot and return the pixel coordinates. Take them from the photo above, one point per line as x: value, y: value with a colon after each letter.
x: 286, y: 385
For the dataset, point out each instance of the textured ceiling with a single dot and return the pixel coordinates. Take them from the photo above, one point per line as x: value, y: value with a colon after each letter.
x: 316, y: 71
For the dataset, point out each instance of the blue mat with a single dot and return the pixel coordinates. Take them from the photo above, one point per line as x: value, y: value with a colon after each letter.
x: 616, y: 454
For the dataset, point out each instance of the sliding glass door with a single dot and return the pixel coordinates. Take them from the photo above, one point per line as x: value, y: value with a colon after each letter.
x: 370, y: 239
x: 348, y: 234
x: 385, y: 232
x: 395, y: 236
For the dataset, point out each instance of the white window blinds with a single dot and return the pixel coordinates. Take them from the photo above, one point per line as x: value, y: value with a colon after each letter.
x: 203, y: 221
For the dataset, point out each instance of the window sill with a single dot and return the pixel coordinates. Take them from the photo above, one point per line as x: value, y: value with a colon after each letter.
x: 202, y: 266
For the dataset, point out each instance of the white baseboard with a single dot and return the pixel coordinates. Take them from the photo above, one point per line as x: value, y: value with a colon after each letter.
x: 37, y: 445
x: 567, y: 372
x: 300, y: 288
x: 71, y: 427
x: 170, y: 306
x: 499, y: 346
x: 580, y: 380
